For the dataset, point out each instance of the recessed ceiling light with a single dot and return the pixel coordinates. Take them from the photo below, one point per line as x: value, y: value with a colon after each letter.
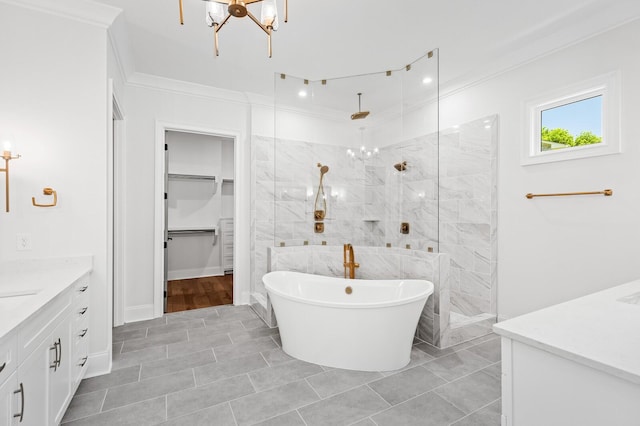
x: 302, y: 93
x: 488, y: 126
x: 427, y: 80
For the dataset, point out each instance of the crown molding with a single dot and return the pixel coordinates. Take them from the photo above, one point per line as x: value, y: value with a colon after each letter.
x: 85, y: 11
x: 154, y: 82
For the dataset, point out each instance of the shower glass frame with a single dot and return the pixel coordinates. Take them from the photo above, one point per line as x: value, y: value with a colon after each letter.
x: 368, y: 199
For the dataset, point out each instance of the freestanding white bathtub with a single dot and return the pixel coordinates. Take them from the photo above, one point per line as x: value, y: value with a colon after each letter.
x: 370, y: 329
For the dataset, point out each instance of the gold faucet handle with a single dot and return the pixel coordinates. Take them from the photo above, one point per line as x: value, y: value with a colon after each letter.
x: 356, y: 265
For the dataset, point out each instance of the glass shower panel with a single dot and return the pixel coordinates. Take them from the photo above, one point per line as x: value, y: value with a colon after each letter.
x: 356, y: 157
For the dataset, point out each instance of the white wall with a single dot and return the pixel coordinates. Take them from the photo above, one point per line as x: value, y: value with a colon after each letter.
x: 53, y: 81
x: 151, y: 101
x: 554, y: 249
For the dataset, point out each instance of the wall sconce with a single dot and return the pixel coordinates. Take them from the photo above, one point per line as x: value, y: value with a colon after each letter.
x: 6, y: 154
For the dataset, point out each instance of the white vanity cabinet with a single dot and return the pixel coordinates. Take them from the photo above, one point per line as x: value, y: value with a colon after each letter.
x: 575, y: 363
x: 44, y: 350
x: 47, y: 354
x: 8, y: 378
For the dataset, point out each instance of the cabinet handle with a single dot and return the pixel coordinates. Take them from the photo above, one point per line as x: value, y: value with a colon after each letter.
x: 83, y: 361
x: 3, y: 366
x: 83, y: 311
x: 60, y: 355
x: 83, y: 289
x: 21, y: 392
x: 84, y: 332
x: 54, y: 364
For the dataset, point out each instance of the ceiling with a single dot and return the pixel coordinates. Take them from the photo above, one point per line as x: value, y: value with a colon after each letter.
x: 334, y: 38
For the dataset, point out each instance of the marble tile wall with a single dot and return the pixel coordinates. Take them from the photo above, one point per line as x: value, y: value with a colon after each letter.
x: 467, y: 215
x: 378, y: 263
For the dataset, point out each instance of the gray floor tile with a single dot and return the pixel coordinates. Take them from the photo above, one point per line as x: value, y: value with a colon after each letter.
x: 218, y: 415
x: 116, y: 378
x: 116, y: 348
x: 175, y: 326
x: 195, y: 314
x: 145, y: 413
x: 232, y: 367
x: 405, y: 385
x: 476, y: 341
x: 84, y: 405
x: 433, y: 351
x: 168, y: 366
x: 494, y: 370
x: 245, y: 348
x: 147, y: 389
x: 489, y: 350
x: 271, y: 377
x: 216, y: 327
x: 121, y: 336
x: 197, y: 344
x: 365, y: 422
x: 140, y: 324
x: 276, y: 338
x: 246, y: 335
x: 242, y: 314
x: 159, y: 340
x: 276, y: 356
x: 192, y: 400
x: 138, y: 357
x: 344, y: 408
x: 428, y: 409
x: 264, y: 405
x: 471, y: 392
x: 292, y: 418
x: 487, y: 416
x: 456, y: 365
x: 418, y: 357
x: 336, y: 381
x: 253, y: 324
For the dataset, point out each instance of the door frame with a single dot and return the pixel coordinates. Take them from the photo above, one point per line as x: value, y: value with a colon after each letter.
x: 241, y: 158
x: 115, y: 205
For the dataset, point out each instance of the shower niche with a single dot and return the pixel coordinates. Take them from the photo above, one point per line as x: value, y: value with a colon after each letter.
x: 395, y: 180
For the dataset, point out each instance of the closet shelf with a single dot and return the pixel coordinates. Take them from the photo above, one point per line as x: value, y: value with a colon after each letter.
x: 193, y: 177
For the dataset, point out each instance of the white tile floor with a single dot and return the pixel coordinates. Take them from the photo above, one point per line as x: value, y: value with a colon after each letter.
x: 223, y: 366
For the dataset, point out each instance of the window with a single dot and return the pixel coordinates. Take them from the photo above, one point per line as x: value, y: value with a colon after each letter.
x: 576, y: 122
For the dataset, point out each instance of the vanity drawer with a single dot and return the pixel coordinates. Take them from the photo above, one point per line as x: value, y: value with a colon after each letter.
x: 38, y: 327
x: 8, y: 356
x: 81, y: 287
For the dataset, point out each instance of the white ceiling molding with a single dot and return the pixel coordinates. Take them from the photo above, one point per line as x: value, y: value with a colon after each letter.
x: 92, y: 13
x: 155, y: 82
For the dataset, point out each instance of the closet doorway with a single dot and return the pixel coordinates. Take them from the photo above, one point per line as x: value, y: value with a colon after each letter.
x: 199, y: 217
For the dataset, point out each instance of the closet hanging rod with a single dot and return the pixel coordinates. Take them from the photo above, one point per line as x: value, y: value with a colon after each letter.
x: 606, y: 193
x: 178, y: 232
x: 195, y: 177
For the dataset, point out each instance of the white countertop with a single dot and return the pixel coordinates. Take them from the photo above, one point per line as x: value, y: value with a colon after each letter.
x: 601, y: 330
x: 33, y: 283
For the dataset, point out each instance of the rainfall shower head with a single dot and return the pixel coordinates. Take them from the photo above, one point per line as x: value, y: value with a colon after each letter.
x: 323, y: 169
x: 360, y: 114
x: 401, y: 167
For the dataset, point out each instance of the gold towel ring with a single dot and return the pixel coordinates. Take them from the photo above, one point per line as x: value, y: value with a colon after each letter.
x: 46, y: 191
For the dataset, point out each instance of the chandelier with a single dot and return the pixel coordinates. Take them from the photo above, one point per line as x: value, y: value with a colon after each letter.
x: 216, y: 16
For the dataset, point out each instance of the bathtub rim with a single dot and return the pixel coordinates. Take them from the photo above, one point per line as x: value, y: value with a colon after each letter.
x: 337, y: 305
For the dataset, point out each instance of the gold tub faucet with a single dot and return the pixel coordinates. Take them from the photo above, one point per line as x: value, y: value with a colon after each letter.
x: 351, y: 264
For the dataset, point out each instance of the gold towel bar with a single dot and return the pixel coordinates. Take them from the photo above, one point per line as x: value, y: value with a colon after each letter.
x: 606, y: 193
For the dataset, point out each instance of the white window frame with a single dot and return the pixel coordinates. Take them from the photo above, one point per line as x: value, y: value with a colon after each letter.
x: 606, y: 86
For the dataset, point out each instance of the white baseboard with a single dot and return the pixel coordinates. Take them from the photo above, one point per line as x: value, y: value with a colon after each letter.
x: 99, y: 364
x: 183, y: 274
x: 138, y: 313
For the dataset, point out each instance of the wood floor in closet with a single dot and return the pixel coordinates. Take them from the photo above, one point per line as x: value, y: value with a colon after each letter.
x: 194, y: 293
